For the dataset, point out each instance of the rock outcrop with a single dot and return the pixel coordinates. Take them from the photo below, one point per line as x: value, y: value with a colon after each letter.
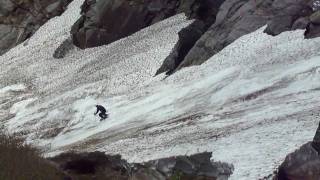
x: 101, y: 166
x: 239, y: 17
x: 103, y: 22
x: 217, y: 23
x: 304, y: 163
x: 301, y: 164
x: 19, y: 19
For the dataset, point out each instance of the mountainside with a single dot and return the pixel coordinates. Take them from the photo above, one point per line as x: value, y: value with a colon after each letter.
x: 19, y: 19
x: 252, y: 101
x: 217, y: 23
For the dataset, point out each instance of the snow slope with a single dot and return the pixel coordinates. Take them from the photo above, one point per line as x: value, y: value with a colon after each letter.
x: 251, y: 104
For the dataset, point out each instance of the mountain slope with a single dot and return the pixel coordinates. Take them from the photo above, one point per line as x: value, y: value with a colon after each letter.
x: 250, y: 104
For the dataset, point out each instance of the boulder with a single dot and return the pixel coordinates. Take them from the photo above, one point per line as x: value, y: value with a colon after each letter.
x: 103, y: 22
x: 304, y: 164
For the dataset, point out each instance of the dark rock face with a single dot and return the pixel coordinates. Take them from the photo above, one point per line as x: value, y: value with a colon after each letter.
x: 302, y: 164
x: 239, y: 17
x: 103, y: 22
x: 101, y: 166
x: 204, y: 16
x: 234, y: 19
x: 286, y: 14
x: 20, y: 19
x: 187, y: 38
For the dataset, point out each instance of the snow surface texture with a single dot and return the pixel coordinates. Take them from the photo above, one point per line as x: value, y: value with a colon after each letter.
x: 251, y: 104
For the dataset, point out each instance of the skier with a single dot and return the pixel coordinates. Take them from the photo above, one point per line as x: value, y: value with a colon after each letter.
x: 102, y: 113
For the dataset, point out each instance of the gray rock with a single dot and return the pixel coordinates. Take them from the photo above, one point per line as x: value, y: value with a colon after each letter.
x: 301, y: 23
x: 187, y: 38
x: 114, y: 19
x: 205, y: 14
x: 24, y: 18
x: 7, y: 34
x: 279, y: 25
x: 239, y: 17
x: 234, y: 19
x: 194, y: 167
x: 103, y: 22
x: 6, y: 6
x: 303, y: 164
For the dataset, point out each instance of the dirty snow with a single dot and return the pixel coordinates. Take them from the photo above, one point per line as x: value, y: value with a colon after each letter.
x: 251, y: 104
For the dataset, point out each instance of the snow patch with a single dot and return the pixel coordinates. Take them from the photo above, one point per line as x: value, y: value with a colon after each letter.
x: 250, y: 104
x: 15, y: 87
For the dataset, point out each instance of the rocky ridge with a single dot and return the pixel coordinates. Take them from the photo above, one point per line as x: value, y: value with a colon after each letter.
x: 103, y: 22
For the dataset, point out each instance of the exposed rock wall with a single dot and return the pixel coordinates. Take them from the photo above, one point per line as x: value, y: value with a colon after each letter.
x: 101, y: 166
x: 239, y: 17
x: 103, y: 22
x: 303, y: 164
x: 217, y: 24
x: 204, y: 16
x: 19, y: 19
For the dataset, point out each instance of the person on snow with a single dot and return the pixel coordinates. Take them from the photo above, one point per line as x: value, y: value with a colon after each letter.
x: 102, y: 111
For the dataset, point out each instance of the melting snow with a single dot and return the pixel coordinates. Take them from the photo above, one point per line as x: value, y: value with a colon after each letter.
x: 250, y: 104
x: 15, y: 87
